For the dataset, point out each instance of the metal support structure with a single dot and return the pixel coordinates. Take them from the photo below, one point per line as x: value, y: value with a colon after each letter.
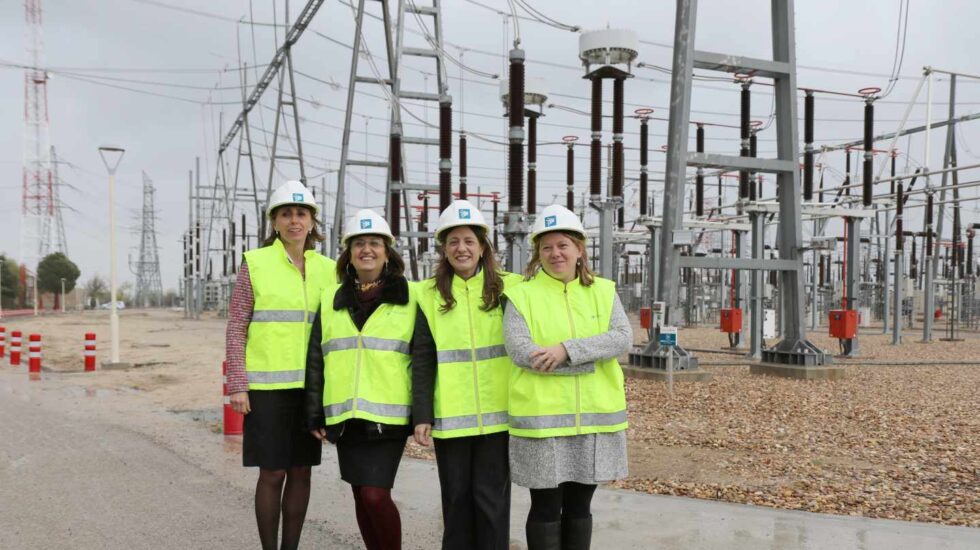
x: 852, y: 277
x: 757, y: 286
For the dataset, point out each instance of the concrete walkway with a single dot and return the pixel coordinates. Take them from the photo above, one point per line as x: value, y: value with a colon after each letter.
x: 107, y: 469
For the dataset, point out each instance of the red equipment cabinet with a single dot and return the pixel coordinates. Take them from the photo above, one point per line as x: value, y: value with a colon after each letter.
x: 844, y: 323
x: 646, y: 317
x: 731, y: 320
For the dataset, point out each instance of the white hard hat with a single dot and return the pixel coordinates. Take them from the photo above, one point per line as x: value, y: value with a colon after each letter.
x: 368, y: 222
x: 460, y: 212
x: 292, y: 192
x: 556, y: 218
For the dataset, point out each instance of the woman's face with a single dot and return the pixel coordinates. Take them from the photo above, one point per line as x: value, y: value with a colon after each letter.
x: 368, y: 255
x: 463, y: 250
x: 559, y: 255
x: 293, y: 223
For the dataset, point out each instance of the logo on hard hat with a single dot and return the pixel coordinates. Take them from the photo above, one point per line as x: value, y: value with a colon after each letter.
x: 464, y: 213
x: 298, y: 197
x: 550, y: 221
x: 365, y: 224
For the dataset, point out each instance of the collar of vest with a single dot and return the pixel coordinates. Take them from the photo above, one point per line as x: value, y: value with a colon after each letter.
x: 476, y: 281
x: 277, y: 244
x: 395, y: 292
x: 543, y: 278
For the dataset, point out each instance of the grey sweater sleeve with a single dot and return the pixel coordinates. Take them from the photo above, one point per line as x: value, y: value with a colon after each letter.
x: 610, y: 344
x: 520, y: 344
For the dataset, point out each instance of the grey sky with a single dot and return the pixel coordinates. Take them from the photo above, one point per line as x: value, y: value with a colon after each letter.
x: 162, y: 135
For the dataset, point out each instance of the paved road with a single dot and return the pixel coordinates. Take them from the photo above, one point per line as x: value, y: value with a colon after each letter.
x: 107, y: 469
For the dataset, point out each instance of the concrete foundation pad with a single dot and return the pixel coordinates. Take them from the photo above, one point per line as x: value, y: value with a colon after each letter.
x: 828, y: 372
x: 693, y: 375
x: 115, y: 366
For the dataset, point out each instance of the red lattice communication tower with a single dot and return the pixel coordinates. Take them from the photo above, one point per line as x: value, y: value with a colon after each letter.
x: 38, y: 208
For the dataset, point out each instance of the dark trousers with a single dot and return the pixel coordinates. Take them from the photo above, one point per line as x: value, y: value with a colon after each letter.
x: 474, y: 475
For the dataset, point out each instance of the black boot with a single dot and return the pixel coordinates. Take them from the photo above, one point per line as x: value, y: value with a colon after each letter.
x: 543, y: 535
x: 576, y: 533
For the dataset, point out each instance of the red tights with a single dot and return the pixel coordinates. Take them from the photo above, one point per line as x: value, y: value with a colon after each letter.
x: 377, y: 517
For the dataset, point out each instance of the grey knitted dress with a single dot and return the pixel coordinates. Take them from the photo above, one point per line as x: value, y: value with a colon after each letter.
x: 543, y: 463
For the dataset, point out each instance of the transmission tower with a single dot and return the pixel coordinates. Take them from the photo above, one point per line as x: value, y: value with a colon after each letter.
x: 61, y: 240
x: 148, y: 285
x: 38, y: 202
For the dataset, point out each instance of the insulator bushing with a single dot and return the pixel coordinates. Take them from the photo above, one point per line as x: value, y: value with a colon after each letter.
x: 532, y: 159
x: 744, y: 116
x: 445, y: 152
x: 928, y: 248
x: 462, y: 166
x: 899, y: 234
x: 570, y: 178
x: 644, y: 142
x: 808, y: 146
x: 595, y: 146
x: 515, y: 151
x: 699, y: 178
x: 868, y: 167
x: 395, y: 175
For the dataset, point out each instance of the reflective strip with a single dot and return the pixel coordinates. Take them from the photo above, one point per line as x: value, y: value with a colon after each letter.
x: 309, y: 317
x: 89, y: 353
x: 276, y: 377
x: 278, y: 316
x: 227, y: 400
x: 469, y: 421
x: 34, y: 354
x: 367, y: 342
x: 464, y: 355
x: 381, y: 409
x: 566, y: 420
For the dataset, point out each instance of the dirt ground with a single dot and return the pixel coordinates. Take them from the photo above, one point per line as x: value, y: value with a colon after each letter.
x: 897, y: 441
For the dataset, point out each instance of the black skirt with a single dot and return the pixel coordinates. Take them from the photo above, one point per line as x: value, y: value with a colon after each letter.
x: 369, y: 456
x: 274, y: 435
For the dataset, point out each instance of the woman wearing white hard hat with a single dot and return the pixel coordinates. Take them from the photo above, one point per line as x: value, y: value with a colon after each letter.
x: 564, y: 328
x: 358, y: 384
x: 276, y: 295
x: 460, y: 374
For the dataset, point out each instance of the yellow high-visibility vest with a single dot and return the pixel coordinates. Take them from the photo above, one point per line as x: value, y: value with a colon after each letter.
x: 366, y: 372
x: 473, y: 369
x: 284, y: 307
x: 548, y: 404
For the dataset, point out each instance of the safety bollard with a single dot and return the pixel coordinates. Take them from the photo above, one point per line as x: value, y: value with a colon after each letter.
x: 89, y: 353
x: 15, y: 348
x: 233, y: 420
x: 34, y: 353
x: 3, y: 342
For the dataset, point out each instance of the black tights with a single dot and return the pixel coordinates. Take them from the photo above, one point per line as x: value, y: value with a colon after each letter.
x: 571, y: 500
x: 270, y: 498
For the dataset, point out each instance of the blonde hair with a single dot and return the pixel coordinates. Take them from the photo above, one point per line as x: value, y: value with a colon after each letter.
x: 582, y: 271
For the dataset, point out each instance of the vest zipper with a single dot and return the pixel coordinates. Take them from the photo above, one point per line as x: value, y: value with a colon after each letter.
x: 357, y: 373
x: 578, y: 386
x: 476, y: 377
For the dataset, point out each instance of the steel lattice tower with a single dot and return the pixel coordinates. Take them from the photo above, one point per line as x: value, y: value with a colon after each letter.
x: 38, y: 202
x: 148, y: 285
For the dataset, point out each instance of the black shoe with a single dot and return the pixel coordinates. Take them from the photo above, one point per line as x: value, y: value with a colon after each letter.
x: 576, y: 533
x: 543, y: 535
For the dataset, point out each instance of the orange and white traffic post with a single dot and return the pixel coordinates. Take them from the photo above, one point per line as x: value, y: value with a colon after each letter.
x: 34, y: 353
x: 15, y: 348
x: 89, y: 353
x: 233, y: 421
x: 3, y: 342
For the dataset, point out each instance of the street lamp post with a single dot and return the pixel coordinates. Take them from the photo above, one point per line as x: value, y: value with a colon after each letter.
x: 111, y: 156
x: 62, y: 294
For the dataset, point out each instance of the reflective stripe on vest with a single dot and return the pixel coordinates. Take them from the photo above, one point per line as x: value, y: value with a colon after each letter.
x: 367, y: 372
x: 284, y: 307
x: 470, y: 394
x: 276, y: 377
x: 367, y: 342
x: 554, y: 405
x: 380, y: 409
x: 282, y: 316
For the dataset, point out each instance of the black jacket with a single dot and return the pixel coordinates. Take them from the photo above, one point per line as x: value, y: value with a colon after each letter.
x: 395, y: 292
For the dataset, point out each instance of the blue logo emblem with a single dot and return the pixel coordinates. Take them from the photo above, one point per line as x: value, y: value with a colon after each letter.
x: 298, y: 197
x: 365, y: 224
x: 550, y: 221
x: 464, y: 213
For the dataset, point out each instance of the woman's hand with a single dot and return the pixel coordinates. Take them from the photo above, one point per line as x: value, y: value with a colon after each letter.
x: 239, y: 402
x: 547, y: 358
x: 320, y: 433
x: 423, y: 434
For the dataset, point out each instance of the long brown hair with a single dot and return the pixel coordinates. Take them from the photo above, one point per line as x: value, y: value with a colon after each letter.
x: 493, y: 284
x: 582, y: 271
x: 312, y: 237
x: 394, y: 267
